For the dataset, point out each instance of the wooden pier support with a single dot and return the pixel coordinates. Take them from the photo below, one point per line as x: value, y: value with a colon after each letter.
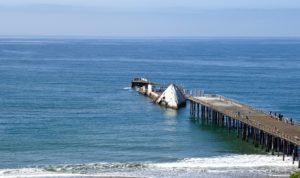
x: 198, y: 110
x: 278, y: 146
x: 273, y: 145
x: 283, y: 149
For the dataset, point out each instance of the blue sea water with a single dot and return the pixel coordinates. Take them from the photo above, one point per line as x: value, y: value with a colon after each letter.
x: 66, y: 107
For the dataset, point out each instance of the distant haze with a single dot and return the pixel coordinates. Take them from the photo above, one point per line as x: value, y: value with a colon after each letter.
x: 150, y: 18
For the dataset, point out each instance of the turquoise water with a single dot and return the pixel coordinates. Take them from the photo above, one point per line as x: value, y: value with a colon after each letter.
x: 66, y: 108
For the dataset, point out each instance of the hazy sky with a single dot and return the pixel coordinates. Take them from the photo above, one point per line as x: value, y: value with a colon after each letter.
x: 201, y: 18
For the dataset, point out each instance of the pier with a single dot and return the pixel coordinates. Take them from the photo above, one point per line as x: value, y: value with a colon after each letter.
x: 263, y: 129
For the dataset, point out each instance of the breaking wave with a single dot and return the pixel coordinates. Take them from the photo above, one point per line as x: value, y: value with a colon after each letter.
x: 226, y: 166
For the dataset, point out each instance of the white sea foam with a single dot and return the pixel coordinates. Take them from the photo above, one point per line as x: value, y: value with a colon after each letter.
x: 127, y: 88
x: 230, y: 161
x: 227, y: 166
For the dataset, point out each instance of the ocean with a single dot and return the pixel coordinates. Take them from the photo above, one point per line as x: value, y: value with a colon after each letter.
x: 67, y: 109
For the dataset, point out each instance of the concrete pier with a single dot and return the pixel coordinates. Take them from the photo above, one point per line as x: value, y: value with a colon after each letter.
x: 262, y: 128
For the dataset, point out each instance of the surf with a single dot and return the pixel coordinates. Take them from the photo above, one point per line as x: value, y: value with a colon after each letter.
x: 247, y: 165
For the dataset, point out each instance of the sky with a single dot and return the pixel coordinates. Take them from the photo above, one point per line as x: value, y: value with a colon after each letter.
x: 150, y: 18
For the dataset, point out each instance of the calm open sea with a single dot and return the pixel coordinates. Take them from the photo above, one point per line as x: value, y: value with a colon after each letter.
x: 66, y: 108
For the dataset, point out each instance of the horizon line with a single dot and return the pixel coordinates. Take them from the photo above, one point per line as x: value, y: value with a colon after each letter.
x: 140, y: 37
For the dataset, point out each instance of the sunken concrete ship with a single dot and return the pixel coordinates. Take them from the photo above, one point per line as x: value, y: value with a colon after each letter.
x: 171, y: 96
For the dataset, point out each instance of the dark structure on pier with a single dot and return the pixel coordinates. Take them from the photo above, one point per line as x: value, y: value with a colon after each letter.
x: 263, y: 129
